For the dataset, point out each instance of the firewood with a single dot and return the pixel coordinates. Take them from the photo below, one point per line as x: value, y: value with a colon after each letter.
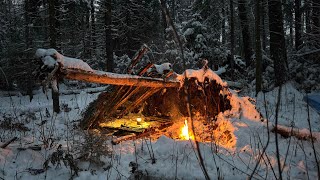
x: 128, y: 129
x: 145, y: 69
x: 123, y: 138
x: 146, y: 133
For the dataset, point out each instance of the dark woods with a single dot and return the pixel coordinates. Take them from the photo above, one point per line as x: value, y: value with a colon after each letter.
x: 274, y: 41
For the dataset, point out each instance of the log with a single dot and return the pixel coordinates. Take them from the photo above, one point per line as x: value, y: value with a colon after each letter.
x: 118, y: 79
x: 301, y: 134
x: 123, y: 138
x: 146, y: 133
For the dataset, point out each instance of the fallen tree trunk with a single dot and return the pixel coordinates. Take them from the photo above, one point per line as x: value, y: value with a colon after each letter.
x: 117, y: 79
x: 301, y: 134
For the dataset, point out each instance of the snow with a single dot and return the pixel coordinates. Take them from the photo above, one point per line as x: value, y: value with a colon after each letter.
x: 163, y: 67
x: 188, y: 32
x: 49, y: 61
x: 40, y: 53
x: 74, y: 63
x: 200, y: 75
x: 51, y: 57
x: 173, y: 158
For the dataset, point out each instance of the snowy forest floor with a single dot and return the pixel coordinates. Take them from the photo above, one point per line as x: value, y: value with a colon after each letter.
x: 34, y: 124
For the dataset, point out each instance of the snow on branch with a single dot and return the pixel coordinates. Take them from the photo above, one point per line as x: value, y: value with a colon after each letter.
x: 51, y: 58
x: 201, y: 75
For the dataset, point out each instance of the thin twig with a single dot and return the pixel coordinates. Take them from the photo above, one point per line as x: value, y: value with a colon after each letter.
x: 291, y: 132
x: 276, y: 134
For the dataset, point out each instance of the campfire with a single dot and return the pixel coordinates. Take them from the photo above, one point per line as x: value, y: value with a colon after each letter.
x: 185, y: 132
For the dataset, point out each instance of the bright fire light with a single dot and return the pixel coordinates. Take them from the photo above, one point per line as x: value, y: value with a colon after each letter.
x: 185, y: 131
x: 139, y: 119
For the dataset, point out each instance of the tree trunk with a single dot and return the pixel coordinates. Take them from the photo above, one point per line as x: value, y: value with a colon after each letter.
x: 315, y: 15
x: 28, y: 42
x: 52, y: 24
x: 223, y: 23
x: 308, y: 16
x: 277, y: 41
x: 173, y: 9
x: 231, y: 34
x: 316, y: 22
x: 291, y: 39
x: 93, y: 37
x: 264, y: 14
x: 28, y: 19
x: 258, y: 48
x: 53, y: 43
x: 297, y: 22
x: 109, y: 44
x: 245, y: 31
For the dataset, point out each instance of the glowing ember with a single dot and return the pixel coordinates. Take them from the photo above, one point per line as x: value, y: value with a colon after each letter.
x: 185, y: 131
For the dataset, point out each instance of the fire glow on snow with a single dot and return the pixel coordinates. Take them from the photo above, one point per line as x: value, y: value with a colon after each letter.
x: 174, y: 159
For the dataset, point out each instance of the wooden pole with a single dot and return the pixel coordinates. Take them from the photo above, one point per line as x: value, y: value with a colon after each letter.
x: 118, y: 79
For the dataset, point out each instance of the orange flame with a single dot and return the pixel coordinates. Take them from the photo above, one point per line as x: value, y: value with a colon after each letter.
x: 185, y: 131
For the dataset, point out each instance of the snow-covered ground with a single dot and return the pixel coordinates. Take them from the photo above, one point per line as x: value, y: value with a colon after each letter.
x: 164, y: 158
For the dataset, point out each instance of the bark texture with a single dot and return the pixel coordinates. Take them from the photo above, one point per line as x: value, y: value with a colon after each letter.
x: 118, y: 79
x: 277, y: 41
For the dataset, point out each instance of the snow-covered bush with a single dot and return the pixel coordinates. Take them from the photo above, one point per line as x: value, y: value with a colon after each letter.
x: 305, y: 73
